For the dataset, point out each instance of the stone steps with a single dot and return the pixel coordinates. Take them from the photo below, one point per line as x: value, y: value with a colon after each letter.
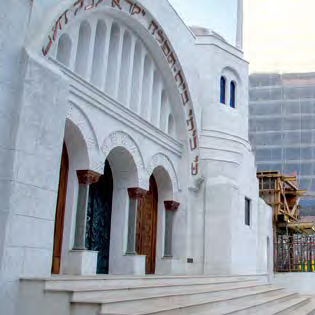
x: 201, y: 301
x: 142, y: 292
x: 101, y: 283
x: 275, y: 305
x: 307, y: 309
x: 182, y: 295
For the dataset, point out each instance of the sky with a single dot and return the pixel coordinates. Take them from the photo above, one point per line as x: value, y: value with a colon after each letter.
x: 279, y: 35
x: 218, y: 15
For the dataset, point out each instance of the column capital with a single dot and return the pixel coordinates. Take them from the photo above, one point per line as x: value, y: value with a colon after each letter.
x: 171, y: 205
x: 88, y: 177
x: 136, y: 192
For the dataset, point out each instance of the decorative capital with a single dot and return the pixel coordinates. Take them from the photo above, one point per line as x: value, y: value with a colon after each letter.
x: 171, y: 205
x: 136, y: 192
x: 88, y: 177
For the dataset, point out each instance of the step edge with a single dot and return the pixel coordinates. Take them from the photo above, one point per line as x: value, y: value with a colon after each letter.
x: 47, y: 288
x: 303, y: 302
x: 173, y: 294
x: 284, y: 296
x: 197, y: 304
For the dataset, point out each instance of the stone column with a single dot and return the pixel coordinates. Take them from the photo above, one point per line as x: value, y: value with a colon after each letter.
x: 170, y: 208
x: 239, y: 27
x: 86, y: 178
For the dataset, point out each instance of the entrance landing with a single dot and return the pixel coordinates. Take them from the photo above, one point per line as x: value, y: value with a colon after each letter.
x: 128, y: 295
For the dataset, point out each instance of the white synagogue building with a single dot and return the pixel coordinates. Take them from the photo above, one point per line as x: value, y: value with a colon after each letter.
x: 123, y: 146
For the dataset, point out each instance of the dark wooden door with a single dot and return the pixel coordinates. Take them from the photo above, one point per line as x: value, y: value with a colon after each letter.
x: 147, y: 226
x: 99, y: 219
x: 60, y: 211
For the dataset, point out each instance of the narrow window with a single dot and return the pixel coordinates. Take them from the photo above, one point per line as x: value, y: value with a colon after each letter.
x: 247, y: 211
x: 222, y: 90
x: 232, y: 94
x: 169, y: 216
x: 132, y: 221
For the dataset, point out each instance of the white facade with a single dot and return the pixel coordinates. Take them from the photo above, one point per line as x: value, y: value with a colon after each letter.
x: 129, y: 83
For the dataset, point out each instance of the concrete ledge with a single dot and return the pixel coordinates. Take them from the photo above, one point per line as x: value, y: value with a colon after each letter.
x: 302, y: 282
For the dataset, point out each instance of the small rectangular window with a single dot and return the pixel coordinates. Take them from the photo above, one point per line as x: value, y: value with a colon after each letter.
x: 132, y: 221
x: 247, y: 211
x: 169, y: 215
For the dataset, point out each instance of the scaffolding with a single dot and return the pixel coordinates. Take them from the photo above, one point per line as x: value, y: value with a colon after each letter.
x: 294, y: 248
x: 282, y: 194
x: 282, y: 127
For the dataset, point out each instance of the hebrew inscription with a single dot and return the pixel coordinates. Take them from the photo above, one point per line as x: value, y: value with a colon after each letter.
x: 138, y: 12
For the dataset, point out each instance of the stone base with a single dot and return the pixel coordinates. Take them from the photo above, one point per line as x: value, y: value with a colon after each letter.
x: 82, y: 262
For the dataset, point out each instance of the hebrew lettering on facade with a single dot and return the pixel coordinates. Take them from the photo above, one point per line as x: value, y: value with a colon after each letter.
x: 160, y: 37
x: 90, y: 6
x: 193, y: 141
x: 116, y: 3
x: 185, y: 97
x: 171, y: 60
x: 166, y: 48
x: 195, y: 166
x: 190, y: 121
x: 98, y: 2
x: 46, y: 49
x: 135, y: 8
x: 80, y: 4
x: 179, y: 79
x: 153, y: 27
x: 58, y: 24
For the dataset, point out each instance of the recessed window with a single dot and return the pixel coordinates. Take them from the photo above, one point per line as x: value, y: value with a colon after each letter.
x: 169, y: 218
x: 222, y: 90
x: 247, y: 211
x: 132, y: 221
x: 232, y: 94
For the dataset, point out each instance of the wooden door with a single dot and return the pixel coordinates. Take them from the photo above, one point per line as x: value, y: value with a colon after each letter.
x: 147, y: 226
x: 60, y: 211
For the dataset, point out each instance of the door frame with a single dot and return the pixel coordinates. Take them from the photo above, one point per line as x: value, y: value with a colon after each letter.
x: 60, y: 211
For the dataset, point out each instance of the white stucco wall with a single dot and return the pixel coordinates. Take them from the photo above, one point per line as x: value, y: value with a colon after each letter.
x: 209, y: 225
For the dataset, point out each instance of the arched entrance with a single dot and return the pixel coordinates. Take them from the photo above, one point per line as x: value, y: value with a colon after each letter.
x: 147, y: 227
x: 99, y: 219
x: 60, y: 211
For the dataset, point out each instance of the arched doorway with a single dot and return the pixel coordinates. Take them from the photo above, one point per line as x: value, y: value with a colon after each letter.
x: 60, y: 211
x: 147, y: 227
x: 99, y: 219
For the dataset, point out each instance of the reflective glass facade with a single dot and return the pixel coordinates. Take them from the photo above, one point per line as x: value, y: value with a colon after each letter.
x: 282, y: 127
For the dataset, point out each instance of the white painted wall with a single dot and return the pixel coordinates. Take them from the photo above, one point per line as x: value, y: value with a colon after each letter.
x: 107, y: 112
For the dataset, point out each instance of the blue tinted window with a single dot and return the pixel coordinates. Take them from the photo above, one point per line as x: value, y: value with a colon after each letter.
x: 232, y: 94
x: 222, y: 90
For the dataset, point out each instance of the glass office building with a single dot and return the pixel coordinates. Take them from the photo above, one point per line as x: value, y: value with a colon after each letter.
x: 282, y: 127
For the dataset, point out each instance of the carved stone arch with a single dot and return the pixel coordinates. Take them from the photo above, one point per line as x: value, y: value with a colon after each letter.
x: 77, y: 116
x: 162, y: 160
x: 122, y: 139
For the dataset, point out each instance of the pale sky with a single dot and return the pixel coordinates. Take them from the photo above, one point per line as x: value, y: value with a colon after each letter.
x: 280, y: 35
x: 218, y: 15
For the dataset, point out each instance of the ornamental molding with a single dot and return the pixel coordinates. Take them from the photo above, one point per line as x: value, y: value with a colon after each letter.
x: 122, y: 139
x: 162, y: 160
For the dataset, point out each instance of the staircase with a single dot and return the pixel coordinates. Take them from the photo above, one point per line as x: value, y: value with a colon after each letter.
x: 181, y: 295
